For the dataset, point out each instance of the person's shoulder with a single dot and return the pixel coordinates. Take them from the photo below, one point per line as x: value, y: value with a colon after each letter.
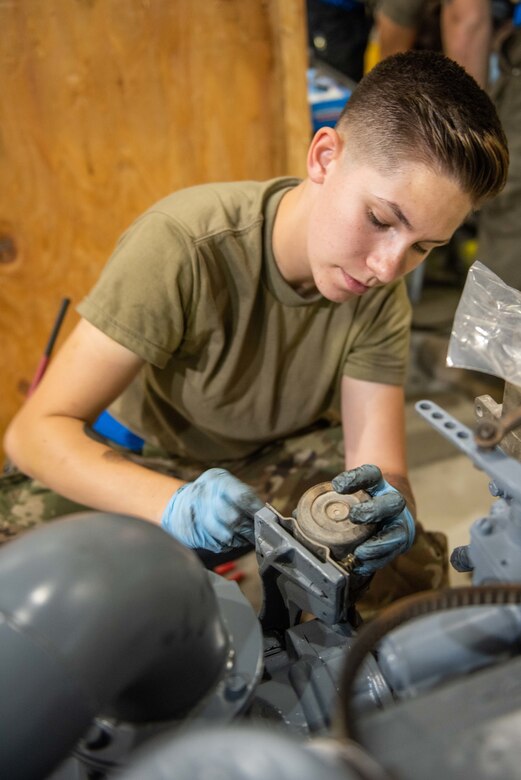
x: 211, y: 208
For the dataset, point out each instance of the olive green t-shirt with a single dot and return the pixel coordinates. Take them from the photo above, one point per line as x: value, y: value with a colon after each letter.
x: 235, y: 358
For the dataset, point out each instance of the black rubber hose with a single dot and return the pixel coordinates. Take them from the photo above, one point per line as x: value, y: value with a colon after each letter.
x: 99, y: 614
x: 402, y: 611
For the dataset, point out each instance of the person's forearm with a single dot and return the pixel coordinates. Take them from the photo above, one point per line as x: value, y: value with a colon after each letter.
x: 466, y: 29
x: 402, y: 484
x: 393, y: 38
x: 64, y: 458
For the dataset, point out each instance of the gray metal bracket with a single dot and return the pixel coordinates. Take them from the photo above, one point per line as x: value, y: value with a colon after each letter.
x: 502, y: 469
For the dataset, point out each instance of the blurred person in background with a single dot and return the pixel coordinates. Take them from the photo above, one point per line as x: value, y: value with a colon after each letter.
x: 462, y: 29
x: 499, y: 224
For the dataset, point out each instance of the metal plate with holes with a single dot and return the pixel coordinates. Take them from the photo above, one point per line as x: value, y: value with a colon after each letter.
x: 323, y: 516
x: 503, y: 470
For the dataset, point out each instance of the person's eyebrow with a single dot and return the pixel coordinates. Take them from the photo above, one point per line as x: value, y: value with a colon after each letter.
x: 403, y: 219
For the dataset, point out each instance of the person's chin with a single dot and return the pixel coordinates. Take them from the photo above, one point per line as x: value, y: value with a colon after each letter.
x: 337, y: 294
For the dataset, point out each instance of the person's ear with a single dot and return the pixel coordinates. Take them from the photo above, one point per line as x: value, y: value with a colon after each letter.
x: 326, y: 146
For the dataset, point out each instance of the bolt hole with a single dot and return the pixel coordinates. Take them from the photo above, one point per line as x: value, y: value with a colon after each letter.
x: 98, y: 739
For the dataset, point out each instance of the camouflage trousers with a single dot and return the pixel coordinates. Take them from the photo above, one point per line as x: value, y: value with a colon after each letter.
x: 279, y: 473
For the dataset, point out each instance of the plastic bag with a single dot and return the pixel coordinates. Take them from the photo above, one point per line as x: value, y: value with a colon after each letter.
x: 486, y: 332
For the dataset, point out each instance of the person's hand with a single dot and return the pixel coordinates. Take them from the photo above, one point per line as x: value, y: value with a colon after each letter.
x: 386, y: 509
x: 214, y: 512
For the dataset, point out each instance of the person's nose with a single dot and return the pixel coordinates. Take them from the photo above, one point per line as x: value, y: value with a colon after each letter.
x: 387, y: 262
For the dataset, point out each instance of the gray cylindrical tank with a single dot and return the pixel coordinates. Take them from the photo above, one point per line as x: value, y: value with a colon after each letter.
x: 99, y: 613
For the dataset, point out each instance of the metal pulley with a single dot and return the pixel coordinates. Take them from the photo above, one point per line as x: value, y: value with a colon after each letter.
x: 322, y: 518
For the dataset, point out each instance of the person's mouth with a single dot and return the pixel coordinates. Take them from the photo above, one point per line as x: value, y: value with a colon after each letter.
x: 353, y: 285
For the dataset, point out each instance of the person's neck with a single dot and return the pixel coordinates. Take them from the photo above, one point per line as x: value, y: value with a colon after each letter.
x: 289, y: 240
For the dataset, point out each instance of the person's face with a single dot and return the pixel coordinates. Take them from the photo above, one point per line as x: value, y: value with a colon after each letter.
x: 367, y: 228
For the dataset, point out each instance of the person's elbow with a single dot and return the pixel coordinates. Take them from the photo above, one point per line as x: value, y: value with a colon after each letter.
x: 13, y: 442
x: 21, y: 440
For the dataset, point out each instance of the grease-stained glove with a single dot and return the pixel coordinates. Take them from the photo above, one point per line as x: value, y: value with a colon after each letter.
x: 214, y: 512
x: 386, y: 508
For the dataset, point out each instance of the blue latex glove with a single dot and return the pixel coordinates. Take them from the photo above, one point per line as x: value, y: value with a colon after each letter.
x: 214, y: 512
x: 386, y: 509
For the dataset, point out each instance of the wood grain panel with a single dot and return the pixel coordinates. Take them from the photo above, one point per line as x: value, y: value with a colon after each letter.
x: 108, y: 105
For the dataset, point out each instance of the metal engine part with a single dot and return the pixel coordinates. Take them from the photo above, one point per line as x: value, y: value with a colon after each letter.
x: 224, y: 752
x: 494, y: 552
x: 299, y: 571
x: 453, y: 673
x: 114, y: 629
x: 322, y: 520
x: 498, y: 421
x: 303, y: 660
x: 287, y: 674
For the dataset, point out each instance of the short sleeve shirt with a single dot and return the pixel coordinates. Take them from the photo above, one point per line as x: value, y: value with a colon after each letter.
x: 234, y: 357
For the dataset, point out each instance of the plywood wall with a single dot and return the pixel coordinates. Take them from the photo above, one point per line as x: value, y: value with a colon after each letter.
x: 108, y: 105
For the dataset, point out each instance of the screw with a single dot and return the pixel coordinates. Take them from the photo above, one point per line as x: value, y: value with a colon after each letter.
x: 486, y: 429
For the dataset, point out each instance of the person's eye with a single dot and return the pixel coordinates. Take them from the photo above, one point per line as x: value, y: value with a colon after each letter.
x: 373, y: 219
x: 421, y: 250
